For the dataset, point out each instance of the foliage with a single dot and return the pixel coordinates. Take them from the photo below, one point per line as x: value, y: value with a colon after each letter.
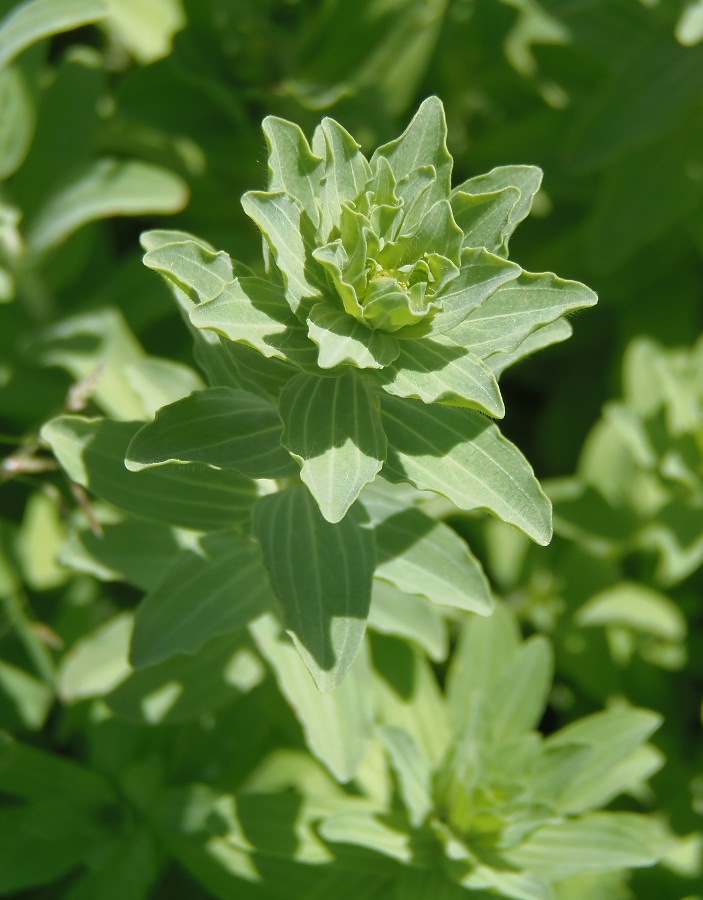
x: 284, y: 473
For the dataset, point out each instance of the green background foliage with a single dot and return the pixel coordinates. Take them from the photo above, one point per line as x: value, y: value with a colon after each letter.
x: 258, y: 636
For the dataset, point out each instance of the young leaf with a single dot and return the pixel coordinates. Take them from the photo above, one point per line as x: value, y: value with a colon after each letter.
x: 458, y: 453
x: 292, y: 167
x: 408, y: 616
x: 287, y: 229
x: 345, y: 174
x: 412, y: 769
x: 219, y: 427
x: 321, y: 573
x: 342, y: 340
x: 210, y: 591
x: 332, y: 427
x: 92, y: 452
x: 189, y: 264
x: 422, y: 143
x: 484, y: 218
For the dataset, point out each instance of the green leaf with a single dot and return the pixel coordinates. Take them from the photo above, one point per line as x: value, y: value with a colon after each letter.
x: 337, y: 725
x: 321, y: 573
x: 365, y: 828
x: 342, y: 340
x: 612, y: 736
x: 637, y: 607
x: 436, y: 370
x: 287, y: 229
x: 541, y: 337
x: 408, y: 616
x: 212, y: 590
x: 412, y: 769
x: 516, y: 309
x: 485, y: 217
x: 97, y: 662
x: 96, y: 348
x: 31, y: 698
x: 219, y: 427
x: 420, y: 555
x: 332, y: 427
x: 109, y: 188
x: 92, y: 452
x: 459, y: 454
x: 36, y: 775
x: 346, y: 172
x: 146, y: 27
x: 527, y: 180
x: 254, y: 312
x: 422, y: 143
x: 138, y: 552
x: 17, y: 105
x: 481, y: 275
x: 598, y: 841
x: 196, y: 269
x: 29, y: 22
x: 293, y: 168
x: 183, y: 688
x: 158, y: 382
x: 126, y: 874
x: 519, y: 698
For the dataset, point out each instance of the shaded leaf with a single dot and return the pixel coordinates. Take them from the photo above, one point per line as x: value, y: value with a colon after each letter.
x: 332, y: 427
x: 218, y: 426
x: 92, y: 452
x: 342, y: 340
x: 321, y: 573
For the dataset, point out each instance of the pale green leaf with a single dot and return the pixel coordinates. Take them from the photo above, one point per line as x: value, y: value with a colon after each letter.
x: 612, y: 736
x: 365, y: 829
x: 158, y: 382
x: 342, y: 340
x: 485, y: 217
x: 109, y: 188
x: 288, y: 231
x: 487, y: 648
x: 408, y: 616
x: 321, y: 573
x: 597, y: 841
x: 41, y: 536
x: 97, y: 663
x: 413, y: 770
x: 422, y: 143
x: 332, y: 427
x: 17, y: 109
x: 519, y: 697
x: 689, y: 27
x: 337, y: 725
x: 29, y: 22
x: 423, y: 556
x: 96, y: 348
x: 436, y: 370
x: 293, y: 168
x: 516, y: 309
x: 254, y: 312
x: 458, y: 453
x: 146, y: 27
x: 480, y: 275
x: 195, y: 268
x: 637, y: 607
x: 92, y: 452
x: 31, y: 698
x: 527, y: 179
x: 212, y: 590
x: 540, y: 338
x: 346, y: 171
x: 219, y: 427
